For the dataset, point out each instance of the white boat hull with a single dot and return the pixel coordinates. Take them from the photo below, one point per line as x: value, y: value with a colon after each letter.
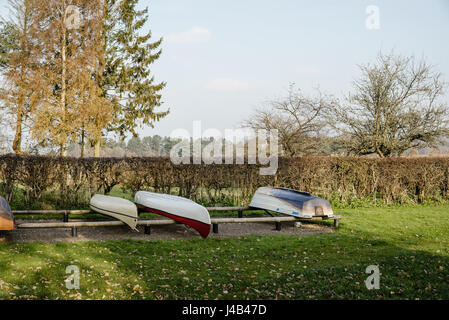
x: 291, y: 202
x: 179, y: 209
x: 118, y: 208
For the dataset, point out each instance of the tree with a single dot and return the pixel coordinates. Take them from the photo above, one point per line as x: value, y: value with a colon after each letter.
x: 299, y: 119
x: 71, y: 103
x: 397, y: 105
x: 17, y: 61
x: 136, y: 146
x: 80, y: 81
x: 8, y: 42
x: 126, y: 79
x: 153, y: 144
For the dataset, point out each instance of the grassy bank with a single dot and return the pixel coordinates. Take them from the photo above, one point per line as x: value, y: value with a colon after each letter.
x: 410, y: 246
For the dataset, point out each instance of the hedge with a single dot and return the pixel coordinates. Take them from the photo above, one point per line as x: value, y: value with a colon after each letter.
x: 71, y: 181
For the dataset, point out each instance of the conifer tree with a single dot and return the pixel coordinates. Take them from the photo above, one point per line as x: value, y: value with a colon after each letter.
x: 126, y: 80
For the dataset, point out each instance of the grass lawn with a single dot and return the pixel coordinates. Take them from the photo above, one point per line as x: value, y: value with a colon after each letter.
x: 409, y: 244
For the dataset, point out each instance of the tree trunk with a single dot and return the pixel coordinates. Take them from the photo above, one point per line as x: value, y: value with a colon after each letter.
x: 62, y: 150
x: 16, y: 145
x: 82, y: 144
x: 63, y: 93
x: 97, y: 149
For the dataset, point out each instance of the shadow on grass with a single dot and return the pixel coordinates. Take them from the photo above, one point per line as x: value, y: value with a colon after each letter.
x: 330, y: 266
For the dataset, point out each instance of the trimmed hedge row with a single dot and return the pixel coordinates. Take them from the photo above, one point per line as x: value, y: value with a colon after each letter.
x: 71, y: 181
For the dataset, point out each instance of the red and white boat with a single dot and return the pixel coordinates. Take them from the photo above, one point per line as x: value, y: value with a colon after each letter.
x: 179, y: 209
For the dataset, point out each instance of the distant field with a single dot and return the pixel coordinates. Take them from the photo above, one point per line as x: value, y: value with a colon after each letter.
x: 410, y: 245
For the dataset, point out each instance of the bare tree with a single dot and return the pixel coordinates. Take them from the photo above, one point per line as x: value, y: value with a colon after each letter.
x: 397, y: 105
x: 299, y: 119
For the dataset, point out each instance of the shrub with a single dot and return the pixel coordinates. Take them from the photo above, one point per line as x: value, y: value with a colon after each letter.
x: 343, y: 180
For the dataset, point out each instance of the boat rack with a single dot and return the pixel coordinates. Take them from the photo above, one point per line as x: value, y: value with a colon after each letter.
x: 147, y: 223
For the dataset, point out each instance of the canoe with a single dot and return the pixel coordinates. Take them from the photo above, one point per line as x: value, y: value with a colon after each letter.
x: 179, y: 209
x: 6, y: 216
x: 291, y: 202
x: 118, y: 208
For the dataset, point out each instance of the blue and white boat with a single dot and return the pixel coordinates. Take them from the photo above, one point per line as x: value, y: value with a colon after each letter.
x: 291, y: 202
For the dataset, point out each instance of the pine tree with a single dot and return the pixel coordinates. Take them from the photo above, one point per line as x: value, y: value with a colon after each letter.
x: 127, y: 81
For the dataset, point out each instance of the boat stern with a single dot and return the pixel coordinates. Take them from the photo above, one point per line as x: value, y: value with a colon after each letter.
x: 118, y: 208
x: 317, y: 207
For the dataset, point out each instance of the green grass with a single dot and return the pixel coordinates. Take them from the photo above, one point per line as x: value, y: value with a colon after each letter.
x: 410, y: 245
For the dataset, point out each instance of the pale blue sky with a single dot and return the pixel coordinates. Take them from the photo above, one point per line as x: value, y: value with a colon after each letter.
x: 223, y: 58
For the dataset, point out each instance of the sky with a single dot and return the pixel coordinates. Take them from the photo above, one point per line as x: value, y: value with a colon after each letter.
x: 222, y: 59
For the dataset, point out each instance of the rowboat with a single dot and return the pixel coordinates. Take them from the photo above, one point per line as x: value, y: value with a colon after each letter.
x: 179, y: 209
x: 118, y: 208
x: 291, y: 202
x: 6, y: 216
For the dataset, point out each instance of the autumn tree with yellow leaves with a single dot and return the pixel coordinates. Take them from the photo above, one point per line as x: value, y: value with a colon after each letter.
x: 89, y: 72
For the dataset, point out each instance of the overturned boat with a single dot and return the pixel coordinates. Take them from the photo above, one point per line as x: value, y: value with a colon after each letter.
x: 291, y: 202
x: 118, y: 208
x: 6, y: 216
x: 179, y: 209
